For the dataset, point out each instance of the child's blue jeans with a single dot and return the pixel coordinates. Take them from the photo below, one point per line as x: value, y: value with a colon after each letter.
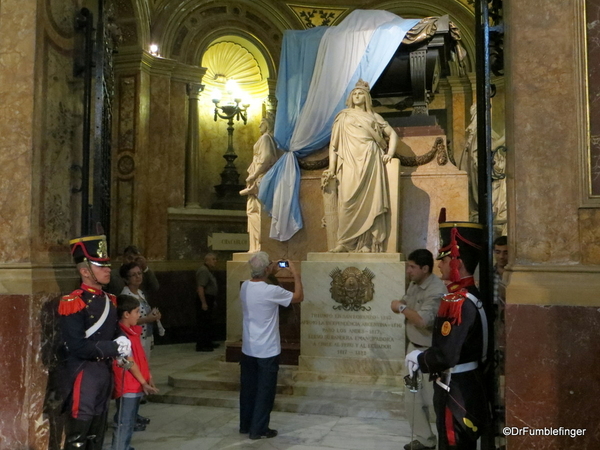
x: 127, y: 410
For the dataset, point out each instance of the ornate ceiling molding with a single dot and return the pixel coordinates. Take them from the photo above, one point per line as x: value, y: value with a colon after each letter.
x: 311, y: 16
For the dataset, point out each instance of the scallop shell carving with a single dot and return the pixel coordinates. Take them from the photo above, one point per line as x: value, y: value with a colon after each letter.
x: 231, y: 60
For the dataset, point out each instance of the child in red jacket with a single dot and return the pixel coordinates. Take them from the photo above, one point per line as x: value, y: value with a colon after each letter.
x: 132, y: 384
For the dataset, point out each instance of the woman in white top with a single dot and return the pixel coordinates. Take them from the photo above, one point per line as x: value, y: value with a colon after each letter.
x: 133, y: 275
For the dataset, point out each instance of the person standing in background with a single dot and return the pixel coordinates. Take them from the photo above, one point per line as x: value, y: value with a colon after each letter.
x: 419, y: 306
x: 207, y: 291
x: 133, y: 254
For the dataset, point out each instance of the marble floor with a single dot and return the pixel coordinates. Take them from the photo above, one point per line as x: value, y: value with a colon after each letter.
x: 182, y: 427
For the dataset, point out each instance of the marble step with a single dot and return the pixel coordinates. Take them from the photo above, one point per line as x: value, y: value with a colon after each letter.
x: 196, y: 380
x: 214, y: 381
x: 334, y: 406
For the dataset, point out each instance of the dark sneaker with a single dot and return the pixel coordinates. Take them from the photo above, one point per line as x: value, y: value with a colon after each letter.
x: 139, y: 427
x: 142, y: 420
x: 416, y: 445
x: 244, y: 431
x: 268, y: 435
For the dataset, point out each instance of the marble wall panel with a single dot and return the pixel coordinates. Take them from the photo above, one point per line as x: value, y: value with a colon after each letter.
x: 127, y: 91
x: 176, y: 146
x: 61, y: 148
x: 29, y: 417
x: 156, y: 156
x: 542, y: 75
x: 17, y: 84
x: 589, y: 234
x: 593, y: 54
x: 13, y: 320
x: 125, y: 164
x: 551, y: 374
x: 425, y: 190
x: 189, y: 233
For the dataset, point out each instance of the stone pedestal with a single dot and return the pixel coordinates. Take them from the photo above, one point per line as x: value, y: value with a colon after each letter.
x: 340, y: 343
x: 427, y: 188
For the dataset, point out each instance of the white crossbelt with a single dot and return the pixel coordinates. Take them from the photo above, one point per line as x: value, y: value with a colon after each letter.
x: 465, y: 367
x: 91, y: 330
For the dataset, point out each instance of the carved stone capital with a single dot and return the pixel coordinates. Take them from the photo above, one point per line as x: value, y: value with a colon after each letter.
x: 194, y: 90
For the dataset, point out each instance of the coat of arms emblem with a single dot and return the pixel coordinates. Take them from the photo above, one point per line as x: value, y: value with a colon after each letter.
x: 352, y: 288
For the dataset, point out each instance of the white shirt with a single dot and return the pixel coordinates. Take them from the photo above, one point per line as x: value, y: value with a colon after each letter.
x: 260, y: 307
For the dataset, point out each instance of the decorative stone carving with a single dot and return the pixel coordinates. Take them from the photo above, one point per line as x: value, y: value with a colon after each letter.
x: 317, y: 17
x: 60, y: 14
x: 352, y: 288
x: 126, y: 165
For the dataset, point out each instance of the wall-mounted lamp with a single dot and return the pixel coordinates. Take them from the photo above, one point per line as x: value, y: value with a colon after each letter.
x: 154, y: 49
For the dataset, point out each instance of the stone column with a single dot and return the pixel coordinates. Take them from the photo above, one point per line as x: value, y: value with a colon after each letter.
x: 271, y: 101
x: 552, y: 299
x: 192, y: 147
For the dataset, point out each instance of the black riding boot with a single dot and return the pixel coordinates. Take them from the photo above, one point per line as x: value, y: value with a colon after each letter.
x: 96, y: 432
x: 76, y: 434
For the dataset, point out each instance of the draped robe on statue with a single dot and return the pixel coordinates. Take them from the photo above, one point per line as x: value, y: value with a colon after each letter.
x: 363, y: 194
x: 265, y: 155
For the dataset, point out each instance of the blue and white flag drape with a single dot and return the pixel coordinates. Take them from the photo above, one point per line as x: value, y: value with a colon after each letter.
x: 319, y: 68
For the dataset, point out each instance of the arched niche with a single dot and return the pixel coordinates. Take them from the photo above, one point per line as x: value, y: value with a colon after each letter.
x: 186, y: 33
x: 237, y: 58
x: 133, y: 20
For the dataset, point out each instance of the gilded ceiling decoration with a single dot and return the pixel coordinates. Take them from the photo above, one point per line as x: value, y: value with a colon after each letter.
x: 314, y: 17
x: 469, y: 3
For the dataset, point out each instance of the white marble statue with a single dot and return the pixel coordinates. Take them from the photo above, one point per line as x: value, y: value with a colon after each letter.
x: 358, y: 152
x: 468, y: 163
x: 264, y: 156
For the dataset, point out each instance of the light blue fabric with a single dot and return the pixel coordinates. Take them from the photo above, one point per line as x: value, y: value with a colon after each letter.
x: 297, y: 62
x: 360, y: 47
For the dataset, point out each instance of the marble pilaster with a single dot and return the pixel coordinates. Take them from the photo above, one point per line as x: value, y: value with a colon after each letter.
x: 552, y: 301
x: 192, y: 148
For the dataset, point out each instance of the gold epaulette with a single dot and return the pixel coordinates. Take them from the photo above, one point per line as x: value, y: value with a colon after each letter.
x: 454, y: 297
x: 72, y: 303
x: 113, y: 299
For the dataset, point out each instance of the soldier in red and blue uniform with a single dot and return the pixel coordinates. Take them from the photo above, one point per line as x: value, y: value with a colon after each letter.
x: 459, y: 345
x: 92, y: 339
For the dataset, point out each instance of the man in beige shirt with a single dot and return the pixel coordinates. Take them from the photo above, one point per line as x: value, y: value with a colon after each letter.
x: 420, y: 306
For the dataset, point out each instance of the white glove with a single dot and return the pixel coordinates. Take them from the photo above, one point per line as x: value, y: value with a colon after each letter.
x: 124, y: 346
x: 412, y: 362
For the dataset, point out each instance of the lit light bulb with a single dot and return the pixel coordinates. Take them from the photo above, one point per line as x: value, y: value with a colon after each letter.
x: 154, y: 49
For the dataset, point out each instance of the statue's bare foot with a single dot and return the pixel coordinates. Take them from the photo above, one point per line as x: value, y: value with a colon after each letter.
x: 364, y: 249
x: 339, y: 249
